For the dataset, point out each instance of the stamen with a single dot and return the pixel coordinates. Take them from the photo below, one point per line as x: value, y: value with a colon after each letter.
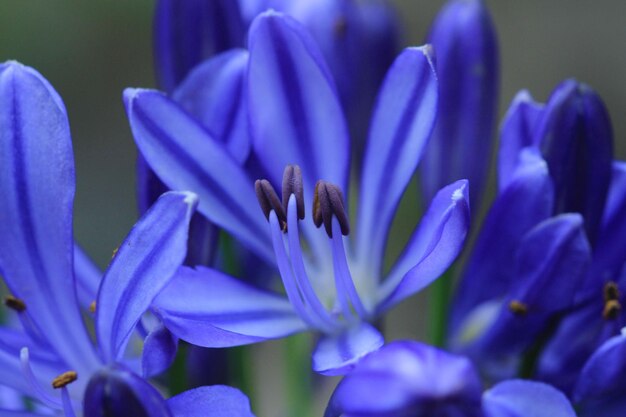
x: 37, y: 390
x: 518, y: 308
x: 611, y: 310
x: 92, y: 307
x: 328, y: 201
x: 67, y: 403
x: 292, y: 184
x: 268, y: 200
x: 64, y: 379
x: 15, y: 303
x: 611, y: 291
x: 114, y: 252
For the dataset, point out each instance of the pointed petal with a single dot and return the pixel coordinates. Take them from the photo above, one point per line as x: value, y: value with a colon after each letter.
x: 186, y: 32
x: 117, y: 392
x: 216, y: 400
x: 207, y: 308
x: 295, y: 114
x: 36, y: 194
x: 518, y: 398
x: 159, y: 351
x: 523, y: 204
x: 401, y: 126
x: 408, y: 379
x: 142, y: 267
x: 186, y: 157
x: 516, y: 133
x: 88, y: 277
x: 464, y: 39
x: 433, y: 247
x: 214, y: 93
x: 340, y: 353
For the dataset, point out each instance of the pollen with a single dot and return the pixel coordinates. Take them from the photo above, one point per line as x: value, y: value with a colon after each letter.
x: 15, y: 303
x: 611, y: 310
x: 64, y: 379
x: 92, y: 307
x: 518, y: 308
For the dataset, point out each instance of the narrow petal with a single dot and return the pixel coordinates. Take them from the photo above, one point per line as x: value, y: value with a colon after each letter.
x: 159, y: 351
x: 433, y: 247
x: 408, y: 379
x: 522, y: 205
x: 213, y: 401
x: 207, y: 308
x: 214, y: 93
x: 340, y: 353
x: 36, y: 194
x: 88, y: 277
x: 142, y: 267
x: 464, y: 39
x: 516, y: 133
x: 187, y: 32
x: 401, y: 126
x: 186, y: 157
x: 518, y: 398
x: 295, y: 114
x: 118, y: 392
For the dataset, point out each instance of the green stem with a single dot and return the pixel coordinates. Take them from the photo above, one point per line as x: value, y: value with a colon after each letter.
x: 298, y: 375
x: 241, y: 366
x: 441, y: 293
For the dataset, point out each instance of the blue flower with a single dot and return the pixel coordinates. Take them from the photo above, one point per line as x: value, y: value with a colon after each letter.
x: 408, y: 378
x: 299, y: 137
x: 51, y: 357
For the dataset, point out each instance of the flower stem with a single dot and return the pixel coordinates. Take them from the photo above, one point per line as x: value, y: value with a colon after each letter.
x: 441, y: 293
x: 298, y: 375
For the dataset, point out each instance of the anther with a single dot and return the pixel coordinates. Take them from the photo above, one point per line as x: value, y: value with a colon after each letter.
x: 328, y: 201
x: 268, y: 200
x: 292, y: 184
x: 64, y: 379
x: 518, y: 308
x: 611, y: 310
x: 92, y: 307
x: 15, y: 303
x: 114, y: 252
x: 611, y: 291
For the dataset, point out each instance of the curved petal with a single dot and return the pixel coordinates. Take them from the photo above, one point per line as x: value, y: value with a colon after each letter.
x: 213, y: 401
x: 88, y: 277
x: 339, y: 354
x: 207, y: 308
x: 516, y: 133
x: 186, y: 157
x: 295, y: 114
x: 186, y: 32
x: 408, y: 379
x: 433, y: 247
x: 465, y: 42
x: 214, y: 93
x: 523, y: 204
x: 117, y: 392
x: 141, y: 268
x: 401, y: 126
x: 159, y: 351
x: 518, y: 398
x: 36, y: 194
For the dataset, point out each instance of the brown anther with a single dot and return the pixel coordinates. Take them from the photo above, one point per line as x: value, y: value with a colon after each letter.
x: 611, y: 310
x: 328, y: 202
x: 92, y: 307
x: 115, y: 252
x: 64, y: 379
x: 611, y: 291
x: 268, y: 200
x: 292, y: 184
x: 518, y: 308
x: 14, y: 303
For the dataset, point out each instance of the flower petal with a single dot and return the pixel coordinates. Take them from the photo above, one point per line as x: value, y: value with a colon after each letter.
x: 465, y: 43
x: 88, y: 277
x: 36, y: 194
x: 434, y: 245
x: 207, y: 308
x: 142, y: 267
x: 214, y: 93
x: 295, y: 114
x: 213, y: 401
x: 518, y: 398
x: 186, y: 157
x: 403, y: 120
x: 338, y: 354
x: 186, y: 32
x: 159, y: 351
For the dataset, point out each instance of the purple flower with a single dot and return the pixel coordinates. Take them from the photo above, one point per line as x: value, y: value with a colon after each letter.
x: 299, y: 137
x: 51, y: 357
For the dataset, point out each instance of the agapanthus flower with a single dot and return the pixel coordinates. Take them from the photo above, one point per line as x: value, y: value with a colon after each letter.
x: 51, y: 358
x: 411, y: 379
x: 464, y: 37
x: 300, y: 143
